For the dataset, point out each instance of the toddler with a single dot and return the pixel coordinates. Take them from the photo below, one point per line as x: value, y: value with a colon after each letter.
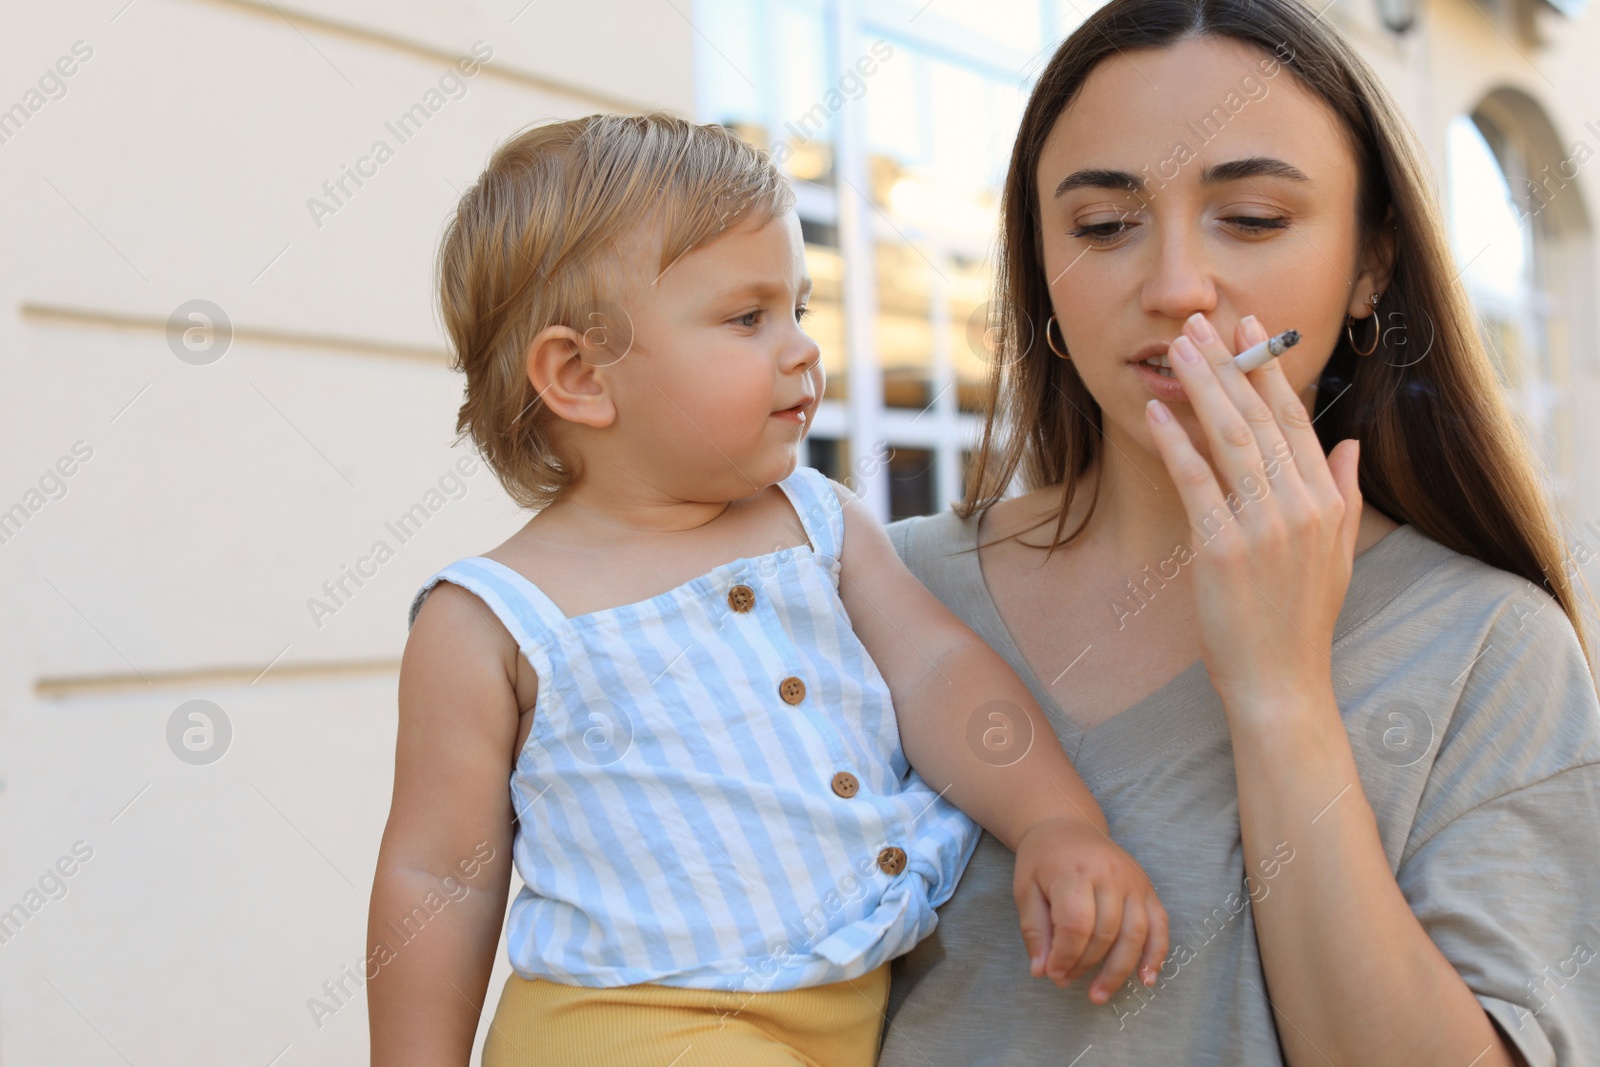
x: 746, y: 747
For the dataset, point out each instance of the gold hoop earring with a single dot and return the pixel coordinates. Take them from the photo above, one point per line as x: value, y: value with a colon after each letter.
x: 1051, y: 343
x: 1348, y: 332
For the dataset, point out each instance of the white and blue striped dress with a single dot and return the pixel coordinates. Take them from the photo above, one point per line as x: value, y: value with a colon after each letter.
x: 713, y: 793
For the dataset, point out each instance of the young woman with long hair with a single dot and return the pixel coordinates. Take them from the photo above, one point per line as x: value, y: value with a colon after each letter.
x: 1308, y: 632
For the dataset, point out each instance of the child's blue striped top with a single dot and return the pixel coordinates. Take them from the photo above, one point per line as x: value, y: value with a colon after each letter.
x: 713, y: 792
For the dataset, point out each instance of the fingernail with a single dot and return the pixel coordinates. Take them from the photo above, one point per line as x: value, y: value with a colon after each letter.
x: 1200, y: 329
x: 1186, y: 350
x: 1252, y: 326
x: 1158, y: 410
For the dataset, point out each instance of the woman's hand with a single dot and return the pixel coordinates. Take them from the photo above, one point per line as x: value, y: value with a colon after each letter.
x: 1273, y: 523
x: 1082, y: 900
x: 1338, y: 938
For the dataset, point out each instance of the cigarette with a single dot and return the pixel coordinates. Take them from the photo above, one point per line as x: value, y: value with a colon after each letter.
x: 1257, y: 355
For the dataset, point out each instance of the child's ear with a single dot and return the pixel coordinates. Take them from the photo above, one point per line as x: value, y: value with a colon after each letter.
x: 570, y: 386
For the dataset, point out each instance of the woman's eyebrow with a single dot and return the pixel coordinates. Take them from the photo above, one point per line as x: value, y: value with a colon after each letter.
x: 1232, y: 170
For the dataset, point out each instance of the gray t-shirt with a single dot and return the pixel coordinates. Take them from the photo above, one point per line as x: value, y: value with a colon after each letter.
x: 1476, y: 732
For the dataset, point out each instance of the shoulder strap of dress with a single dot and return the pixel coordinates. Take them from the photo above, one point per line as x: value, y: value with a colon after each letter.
x: 817, y: 504
x: 520, y: 605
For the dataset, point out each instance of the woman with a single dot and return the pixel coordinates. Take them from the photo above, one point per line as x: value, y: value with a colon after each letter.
x: 1338, y: 706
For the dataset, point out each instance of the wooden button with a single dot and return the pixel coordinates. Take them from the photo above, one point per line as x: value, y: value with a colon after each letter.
x: 792, y: 690
x: 845, y: 784
x: 741, y: 598
x: 892, y: 860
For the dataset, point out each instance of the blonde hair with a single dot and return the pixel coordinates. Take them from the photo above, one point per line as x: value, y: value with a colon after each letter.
x: 537, y: 242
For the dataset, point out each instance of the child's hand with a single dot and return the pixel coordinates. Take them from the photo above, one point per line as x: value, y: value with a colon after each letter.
x: 1082, y: 900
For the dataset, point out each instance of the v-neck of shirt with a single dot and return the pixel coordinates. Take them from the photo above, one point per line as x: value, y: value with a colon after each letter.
x: 1186, y: 708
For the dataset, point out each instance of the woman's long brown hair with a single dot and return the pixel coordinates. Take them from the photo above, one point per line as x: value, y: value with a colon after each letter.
x: 1439, y: 448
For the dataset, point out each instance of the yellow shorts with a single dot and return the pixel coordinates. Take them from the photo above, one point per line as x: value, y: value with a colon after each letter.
x: 545, y: 1024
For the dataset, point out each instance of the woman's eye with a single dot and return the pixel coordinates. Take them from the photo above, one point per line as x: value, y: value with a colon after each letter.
x: 1104, y: 233
x: 1101, y: 232
x: 1256, y: 223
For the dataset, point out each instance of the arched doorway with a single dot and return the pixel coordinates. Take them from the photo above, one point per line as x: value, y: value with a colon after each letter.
x: 1523, y: 239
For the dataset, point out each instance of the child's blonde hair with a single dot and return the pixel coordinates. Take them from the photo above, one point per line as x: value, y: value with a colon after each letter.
x: 535, y: 242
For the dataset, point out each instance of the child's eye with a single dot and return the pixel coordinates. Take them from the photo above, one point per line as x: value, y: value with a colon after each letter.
x: 801, y: 312
x: 751, y: 316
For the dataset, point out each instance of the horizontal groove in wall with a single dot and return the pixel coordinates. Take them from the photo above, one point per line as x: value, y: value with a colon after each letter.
x: 65, y: 688
x: 366, y: 35
x: 89, y: 318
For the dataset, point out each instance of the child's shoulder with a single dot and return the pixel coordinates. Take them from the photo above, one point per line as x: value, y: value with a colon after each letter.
x: 469, y: 626
x: 452, y: 583
x: 496, y: 580
x: 451, y: 636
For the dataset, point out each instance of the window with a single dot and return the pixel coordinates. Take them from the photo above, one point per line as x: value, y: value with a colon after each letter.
x: 897, y: 175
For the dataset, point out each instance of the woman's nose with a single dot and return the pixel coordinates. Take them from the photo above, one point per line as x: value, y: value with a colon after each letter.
x: 1180, y: 280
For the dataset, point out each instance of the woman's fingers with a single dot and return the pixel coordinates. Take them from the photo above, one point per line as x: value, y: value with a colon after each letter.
x: 1239, y: 425
x: 1197, y: 485
x: 1343, y: 463
x: 1301, y: 445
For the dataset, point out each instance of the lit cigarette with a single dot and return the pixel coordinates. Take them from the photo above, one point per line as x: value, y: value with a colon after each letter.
x: 1257, y: 355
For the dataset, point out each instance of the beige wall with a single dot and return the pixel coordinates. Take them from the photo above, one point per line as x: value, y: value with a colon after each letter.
x: 1467, y: 51
x: 217, y: 499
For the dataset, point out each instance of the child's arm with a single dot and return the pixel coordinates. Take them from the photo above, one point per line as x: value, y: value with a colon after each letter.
x: 1080, y: 897
x: 443, y: 874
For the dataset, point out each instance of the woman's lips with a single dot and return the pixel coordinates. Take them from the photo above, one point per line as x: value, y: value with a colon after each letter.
x: 1167, y: 390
